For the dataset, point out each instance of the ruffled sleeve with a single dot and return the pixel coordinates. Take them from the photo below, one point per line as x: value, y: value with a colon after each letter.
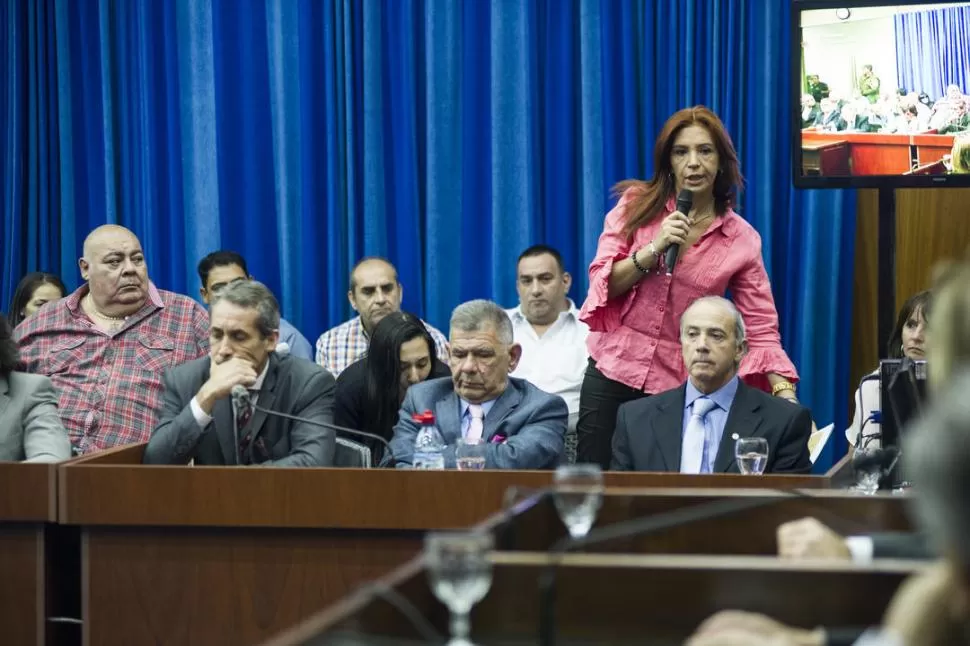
x: 598, y: 312
x: 751, y: 292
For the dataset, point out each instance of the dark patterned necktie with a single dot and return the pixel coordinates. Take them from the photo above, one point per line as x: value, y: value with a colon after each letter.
x: 243, y: 415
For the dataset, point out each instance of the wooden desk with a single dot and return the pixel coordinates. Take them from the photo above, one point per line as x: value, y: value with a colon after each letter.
x: 826, y: 158
x: 932, y: 148
x: 204, y: 555
x: 27, y: 506
x: 663, y: 597
x: 536, y: 526
x: 869, y: 153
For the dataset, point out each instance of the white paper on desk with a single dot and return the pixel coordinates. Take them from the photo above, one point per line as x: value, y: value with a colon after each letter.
x: 818, y: 440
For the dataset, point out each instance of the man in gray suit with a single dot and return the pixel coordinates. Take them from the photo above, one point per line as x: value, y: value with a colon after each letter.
x: 199, y: 422
x: 522, y: 426
x: 30, y: 428
x: 693, y: 428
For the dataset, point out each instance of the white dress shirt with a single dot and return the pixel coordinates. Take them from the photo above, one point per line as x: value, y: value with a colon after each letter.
x: 556, y: 361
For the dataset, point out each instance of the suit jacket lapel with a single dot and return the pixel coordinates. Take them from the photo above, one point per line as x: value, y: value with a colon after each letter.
x: 267, y: 396
x: 223, y: 423
x: 668, y: 428
x: 742, y: 421
x: 447, y: 413
x: 503, y: 406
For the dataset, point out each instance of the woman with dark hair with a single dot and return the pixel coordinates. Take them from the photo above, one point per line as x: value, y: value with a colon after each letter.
x: 34, y: 290
x: 634, y: 304
x: 30, y: 428
x: 370, y: 391
x: 908, y: 339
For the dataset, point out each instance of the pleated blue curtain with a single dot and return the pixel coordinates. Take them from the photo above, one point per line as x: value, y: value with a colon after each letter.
x: 447, y: 135
x: 931, y: 50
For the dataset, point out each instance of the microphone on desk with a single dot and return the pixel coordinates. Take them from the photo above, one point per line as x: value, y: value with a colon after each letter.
x: 632, y: 528
x: 685, y: 199
x: 242, y: 398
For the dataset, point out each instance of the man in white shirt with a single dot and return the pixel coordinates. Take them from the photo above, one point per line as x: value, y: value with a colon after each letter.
x: 546, y: 324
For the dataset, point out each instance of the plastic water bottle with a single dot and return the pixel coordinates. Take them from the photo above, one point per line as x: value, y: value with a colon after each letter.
x: 428, y: 445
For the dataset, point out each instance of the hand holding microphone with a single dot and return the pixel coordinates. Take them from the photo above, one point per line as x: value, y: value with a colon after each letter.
x: 675, y: 229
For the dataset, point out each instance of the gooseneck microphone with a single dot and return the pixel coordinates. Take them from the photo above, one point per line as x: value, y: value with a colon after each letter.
x: 242, y: 398
x: 638, y: 527
x: 685, y: 199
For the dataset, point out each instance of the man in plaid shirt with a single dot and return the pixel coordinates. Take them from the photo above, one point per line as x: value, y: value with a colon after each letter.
x: 374, y: 293
x: 106, y: 346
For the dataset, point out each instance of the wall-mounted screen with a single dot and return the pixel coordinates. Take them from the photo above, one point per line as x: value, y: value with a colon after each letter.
x: 881, y: 93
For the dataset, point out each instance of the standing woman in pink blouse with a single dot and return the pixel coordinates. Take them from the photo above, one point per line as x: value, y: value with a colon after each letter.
x: 633, y: 308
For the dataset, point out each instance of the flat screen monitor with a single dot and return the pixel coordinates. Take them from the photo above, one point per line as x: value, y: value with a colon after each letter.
x: 880, y: 93
x: 902, y: 386
x: 902, y: 389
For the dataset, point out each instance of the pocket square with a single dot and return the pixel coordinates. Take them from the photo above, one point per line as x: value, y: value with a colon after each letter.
x: 498, y: 439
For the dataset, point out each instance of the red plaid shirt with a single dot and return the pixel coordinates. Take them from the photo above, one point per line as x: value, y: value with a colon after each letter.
x: 111, y: 384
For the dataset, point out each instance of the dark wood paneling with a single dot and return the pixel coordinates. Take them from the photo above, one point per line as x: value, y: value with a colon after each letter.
x: 333, y: 498
x: 203, y: 587
x: 931, y: 226
x: 22, y: 614
x: 621, y: 599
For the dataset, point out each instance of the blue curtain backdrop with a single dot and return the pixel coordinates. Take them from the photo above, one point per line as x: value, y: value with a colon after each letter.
x: 447, y: 135
x: 932, y: 49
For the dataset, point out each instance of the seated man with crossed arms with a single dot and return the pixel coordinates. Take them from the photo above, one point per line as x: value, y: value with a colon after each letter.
x: 201, y: 423
x: 693, y: 428
x: 522, y: 425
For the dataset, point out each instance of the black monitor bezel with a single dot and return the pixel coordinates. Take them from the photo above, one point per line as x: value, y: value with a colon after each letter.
x: 795, y: 90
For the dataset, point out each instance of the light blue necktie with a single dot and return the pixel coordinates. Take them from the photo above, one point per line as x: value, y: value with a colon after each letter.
x: 692, y: 446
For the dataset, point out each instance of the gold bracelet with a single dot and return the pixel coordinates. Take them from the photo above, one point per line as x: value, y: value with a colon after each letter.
x: 782, y: 385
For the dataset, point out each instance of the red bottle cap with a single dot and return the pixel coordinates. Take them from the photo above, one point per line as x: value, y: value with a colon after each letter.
x: 427, y: 417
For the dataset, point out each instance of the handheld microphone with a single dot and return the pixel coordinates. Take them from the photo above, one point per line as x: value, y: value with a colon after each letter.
x: 241, y: 397
x: 685, y: 199
x: 637, y: 527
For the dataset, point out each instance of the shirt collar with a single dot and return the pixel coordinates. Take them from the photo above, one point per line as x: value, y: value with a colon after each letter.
x: 723, y: 396
x: 73, y: 302
x: 258, y: 384
x: 486, y: 406
x: 517, y: 316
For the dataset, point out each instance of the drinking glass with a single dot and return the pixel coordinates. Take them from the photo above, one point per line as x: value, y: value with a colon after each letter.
x: 470, y: 454
x: 578, y: 495
x: 752, y: 455
x: 460, y: 569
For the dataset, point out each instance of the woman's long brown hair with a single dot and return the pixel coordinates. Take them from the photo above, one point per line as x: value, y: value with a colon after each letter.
x: 650, y: 196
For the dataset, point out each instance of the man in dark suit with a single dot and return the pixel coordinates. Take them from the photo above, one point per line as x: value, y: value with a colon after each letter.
x: 201, y: 423
x: 693, y: 428
x: 522, y: 426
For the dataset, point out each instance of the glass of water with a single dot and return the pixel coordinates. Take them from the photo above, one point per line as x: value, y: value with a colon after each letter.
x: 460, y: 569
x: 470, y: 454
x: 752, y: 455
x: 578, y: 495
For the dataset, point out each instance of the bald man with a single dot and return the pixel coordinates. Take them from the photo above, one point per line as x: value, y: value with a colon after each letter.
x: 106, y: 346
x: 374, y: 293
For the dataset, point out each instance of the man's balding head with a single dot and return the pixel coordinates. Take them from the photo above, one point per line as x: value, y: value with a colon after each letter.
x: 113, y: 265
x: 103, y: 234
